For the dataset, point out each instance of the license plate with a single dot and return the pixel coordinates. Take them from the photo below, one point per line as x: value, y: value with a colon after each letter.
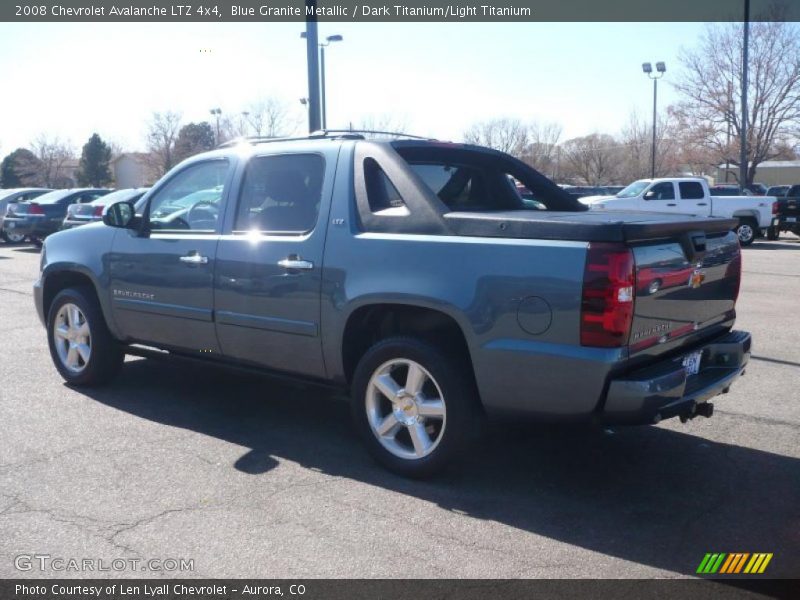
x: 791, y: 219
x: 691, y: 362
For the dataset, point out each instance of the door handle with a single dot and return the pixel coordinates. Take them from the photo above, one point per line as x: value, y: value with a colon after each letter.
x: 672, y: 204
x: 702, y: 204
x: 296, y: 263
x: 194, y: 259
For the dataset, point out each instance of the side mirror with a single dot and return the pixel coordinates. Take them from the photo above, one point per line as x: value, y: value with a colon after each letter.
x: 649, y: 195
x: 120, y: 214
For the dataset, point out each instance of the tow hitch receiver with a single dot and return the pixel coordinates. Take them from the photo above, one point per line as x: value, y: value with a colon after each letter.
x: 704, y: 409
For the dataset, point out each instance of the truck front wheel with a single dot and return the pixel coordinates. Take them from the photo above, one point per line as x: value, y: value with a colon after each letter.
x: 413, y: 405
x: 746, y: 230
x: 81, y: 346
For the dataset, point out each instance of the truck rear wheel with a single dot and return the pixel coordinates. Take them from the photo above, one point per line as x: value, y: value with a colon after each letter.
x: 81, y: 346
x: 746, y: 230
x: 12, y: 238
x: 413, y: 406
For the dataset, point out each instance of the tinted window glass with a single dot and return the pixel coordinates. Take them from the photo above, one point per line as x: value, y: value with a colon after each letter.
x: 382, y: 195
x: 459, y: 187
x: 661, y: 191
x: 690, y: 190
x: 191, y: 199
x: 281, y: 194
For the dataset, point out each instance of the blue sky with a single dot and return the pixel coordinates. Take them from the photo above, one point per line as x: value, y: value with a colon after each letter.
x: 73, y: 79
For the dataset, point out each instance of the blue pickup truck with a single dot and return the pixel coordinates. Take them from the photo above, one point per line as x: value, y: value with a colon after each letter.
x: 412, y: 273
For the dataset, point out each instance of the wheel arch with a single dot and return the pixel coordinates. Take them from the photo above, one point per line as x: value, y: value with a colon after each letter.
x: 57, y: 278
x: 371, y: 322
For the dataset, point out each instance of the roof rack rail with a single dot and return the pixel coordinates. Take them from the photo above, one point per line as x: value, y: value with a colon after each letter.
x: 261, y: 139
x: 371, y: 132
x: 352, y: 134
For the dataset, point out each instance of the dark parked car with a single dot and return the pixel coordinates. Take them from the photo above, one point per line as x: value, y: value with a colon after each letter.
x: 779, y: 191
x: 12, y: 196
x: 413, y: 274
x: 581, y: 191
x: 788, y: 213
x: 44, y: 215
x: 81, y: 214
x: 725, y: 190
x: 758, y: 189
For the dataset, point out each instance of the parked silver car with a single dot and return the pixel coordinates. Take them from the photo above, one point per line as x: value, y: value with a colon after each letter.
x: 10, y: 196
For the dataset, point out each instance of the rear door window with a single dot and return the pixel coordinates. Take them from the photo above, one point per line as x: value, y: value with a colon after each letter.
x: 690, y: 190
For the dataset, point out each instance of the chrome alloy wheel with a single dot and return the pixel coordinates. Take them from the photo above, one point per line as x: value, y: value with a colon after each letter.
x: 72, y: 338
x: 745, y: 233
x: 15, y: 238
x: 406, y: 409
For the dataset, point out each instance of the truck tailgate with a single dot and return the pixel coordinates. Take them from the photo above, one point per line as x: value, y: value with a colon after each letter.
x: 683, y: 293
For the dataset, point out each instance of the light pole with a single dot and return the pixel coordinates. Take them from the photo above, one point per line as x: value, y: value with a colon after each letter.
x: 743, y: 162
x: 647, y: 68
x: 216, y: 112
x: 328, y: 41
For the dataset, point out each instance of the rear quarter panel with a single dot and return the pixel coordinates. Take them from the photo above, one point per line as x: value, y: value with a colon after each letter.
x: 490, y: 287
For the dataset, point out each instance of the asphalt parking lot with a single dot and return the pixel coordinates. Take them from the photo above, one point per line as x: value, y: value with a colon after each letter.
x: 251, y: 477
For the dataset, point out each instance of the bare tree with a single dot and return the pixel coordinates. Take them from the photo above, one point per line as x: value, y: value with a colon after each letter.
x: 541, y: 151
x: 506, y: 135
x: 710, y: 87
x: 268, y: 117
x: 54, y: 154
x: 636, y: 146
x: 161, y: 135
x: 392, y: 123
x: 591, y: 159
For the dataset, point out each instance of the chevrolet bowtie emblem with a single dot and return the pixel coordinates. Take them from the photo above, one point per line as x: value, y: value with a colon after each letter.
x: 697, y: 278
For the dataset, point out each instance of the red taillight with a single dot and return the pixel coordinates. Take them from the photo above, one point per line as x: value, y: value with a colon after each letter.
x: 774, y: 208
x: 608, y: 296
x: 98, y: 211
x: 35, y: 209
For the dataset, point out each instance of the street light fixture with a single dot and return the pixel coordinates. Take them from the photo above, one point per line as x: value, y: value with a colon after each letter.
x: 647, y: 68
x: 328, y: 41
x: 216, y: 112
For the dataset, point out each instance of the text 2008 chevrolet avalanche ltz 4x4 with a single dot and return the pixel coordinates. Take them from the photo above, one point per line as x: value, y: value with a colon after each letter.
x: 412, y: 273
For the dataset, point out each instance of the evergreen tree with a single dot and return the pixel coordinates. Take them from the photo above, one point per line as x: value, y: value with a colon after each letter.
x: 193, y: 139
x: 93, y: 169
x: 21, y: 168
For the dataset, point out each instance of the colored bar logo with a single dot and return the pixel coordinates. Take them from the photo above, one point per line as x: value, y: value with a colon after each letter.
x: 734, y: 563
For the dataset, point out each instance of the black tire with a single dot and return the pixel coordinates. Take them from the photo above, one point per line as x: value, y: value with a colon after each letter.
x: 8, y: 239
x: 105, y: 356
x: 747, y: 230
x: 773, y: 233
x: 450, y: 373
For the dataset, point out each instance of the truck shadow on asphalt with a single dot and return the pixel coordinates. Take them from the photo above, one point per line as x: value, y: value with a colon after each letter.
x: 649, y: 495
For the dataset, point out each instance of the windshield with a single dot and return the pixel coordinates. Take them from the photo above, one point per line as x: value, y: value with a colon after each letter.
x: 53, y: 197
x: 634, y: 189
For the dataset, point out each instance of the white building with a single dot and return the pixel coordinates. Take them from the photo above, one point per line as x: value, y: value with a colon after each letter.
x: 131, y: 169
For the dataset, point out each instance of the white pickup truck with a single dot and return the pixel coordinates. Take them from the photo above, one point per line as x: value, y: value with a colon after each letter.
x: 691, y: 196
